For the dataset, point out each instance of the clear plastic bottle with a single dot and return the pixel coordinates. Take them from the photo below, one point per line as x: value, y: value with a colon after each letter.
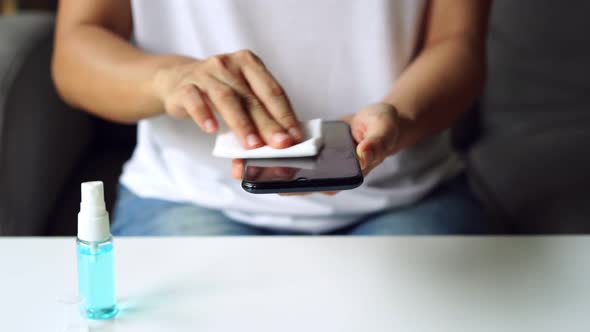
x: 96, y: 273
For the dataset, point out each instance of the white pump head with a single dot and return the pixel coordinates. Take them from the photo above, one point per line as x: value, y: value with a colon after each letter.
x: 93, y: 219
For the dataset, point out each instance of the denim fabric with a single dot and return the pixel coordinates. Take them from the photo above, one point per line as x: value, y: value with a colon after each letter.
x: 450, y: 209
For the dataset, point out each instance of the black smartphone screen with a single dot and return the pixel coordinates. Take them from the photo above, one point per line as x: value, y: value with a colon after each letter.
x: 335, y: 168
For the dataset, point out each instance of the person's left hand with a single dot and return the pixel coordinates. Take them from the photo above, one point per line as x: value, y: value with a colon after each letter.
x: 375, y: 130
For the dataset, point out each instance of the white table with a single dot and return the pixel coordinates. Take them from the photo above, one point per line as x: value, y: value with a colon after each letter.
x: 312, y: 284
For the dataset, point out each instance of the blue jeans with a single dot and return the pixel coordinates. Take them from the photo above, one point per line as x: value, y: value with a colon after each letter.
x: 449, y: 209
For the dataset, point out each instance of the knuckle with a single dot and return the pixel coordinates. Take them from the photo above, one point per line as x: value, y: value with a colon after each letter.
x: 187, y: 90
x: 244, y: 125
x: 286, y: 118
x: 197, y: 69
x: 387, y: 116
x: 283, y: 113
x: 247, y: 56
x: 276, y: 90
x: 224, y: 92
x: 217, y: 62
x: 240, y: 86
x: 253, y: 102
x: 264, y: 124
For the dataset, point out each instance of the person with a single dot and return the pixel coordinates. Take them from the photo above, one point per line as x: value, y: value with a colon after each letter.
x: 399, y: 71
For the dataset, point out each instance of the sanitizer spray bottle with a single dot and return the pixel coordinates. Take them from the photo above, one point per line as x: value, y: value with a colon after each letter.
x: 96, y: 275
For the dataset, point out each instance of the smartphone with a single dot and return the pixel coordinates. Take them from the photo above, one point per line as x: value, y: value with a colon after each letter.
x: 335, y: 168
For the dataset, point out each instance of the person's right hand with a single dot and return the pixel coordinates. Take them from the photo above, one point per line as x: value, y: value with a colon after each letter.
x: 238, y: 86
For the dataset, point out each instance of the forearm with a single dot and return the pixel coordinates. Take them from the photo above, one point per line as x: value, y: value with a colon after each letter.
x: 441, y: 83
x: 98, y: 71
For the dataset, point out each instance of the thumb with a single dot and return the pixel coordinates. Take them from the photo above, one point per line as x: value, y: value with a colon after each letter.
x: 370, y: 151
x: 378, y: 142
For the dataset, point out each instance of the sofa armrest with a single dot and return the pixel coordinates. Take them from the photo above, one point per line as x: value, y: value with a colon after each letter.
x: 41, y: 139
x: 531, y: 165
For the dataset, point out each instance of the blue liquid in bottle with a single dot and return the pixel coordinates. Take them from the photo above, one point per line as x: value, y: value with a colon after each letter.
x: 96, y: 279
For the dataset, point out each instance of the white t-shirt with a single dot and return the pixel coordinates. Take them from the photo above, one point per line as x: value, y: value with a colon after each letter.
x: 332, y: 57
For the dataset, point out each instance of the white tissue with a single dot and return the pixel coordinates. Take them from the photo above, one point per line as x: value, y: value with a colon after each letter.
x: 227, y: 145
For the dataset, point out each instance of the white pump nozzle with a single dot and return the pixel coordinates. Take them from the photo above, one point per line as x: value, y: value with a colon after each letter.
x: 93, y: 219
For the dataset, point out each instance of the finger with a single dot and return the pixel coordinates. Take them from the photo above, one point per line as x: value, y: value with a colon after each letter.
x: 270, y: 93
x: 330, y: 193
x: 378, y: 142
x: 283, y: 172
x: 358, y: 127
x: 237, y: 167
x: 228, y: 104
x: 270, y: 131
x: 222, y: 69
x: 365, y: 154
x: 193, y: 103
x: 366, y: 159
x: 266, y: 173
x: 253, y: 173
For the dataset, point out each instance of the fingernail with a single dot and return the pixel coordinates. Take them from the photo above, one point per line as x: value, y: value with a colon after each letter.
x: 209, y: 126
x: 279, y: 138
x: 296, y: 133
x: 253, y: 140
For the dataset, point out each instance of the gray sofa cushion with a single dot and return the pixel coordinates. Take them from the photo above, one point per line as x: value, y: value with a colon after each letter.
x: 41, y: 139
x: 18, y: 36
x: 532, y: 163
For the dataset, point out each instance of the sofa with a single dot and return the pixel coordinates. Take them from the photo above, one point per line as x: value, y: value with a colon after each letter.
x: 46, y: 147
x: 525, y: 146
x: 531, y: 164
